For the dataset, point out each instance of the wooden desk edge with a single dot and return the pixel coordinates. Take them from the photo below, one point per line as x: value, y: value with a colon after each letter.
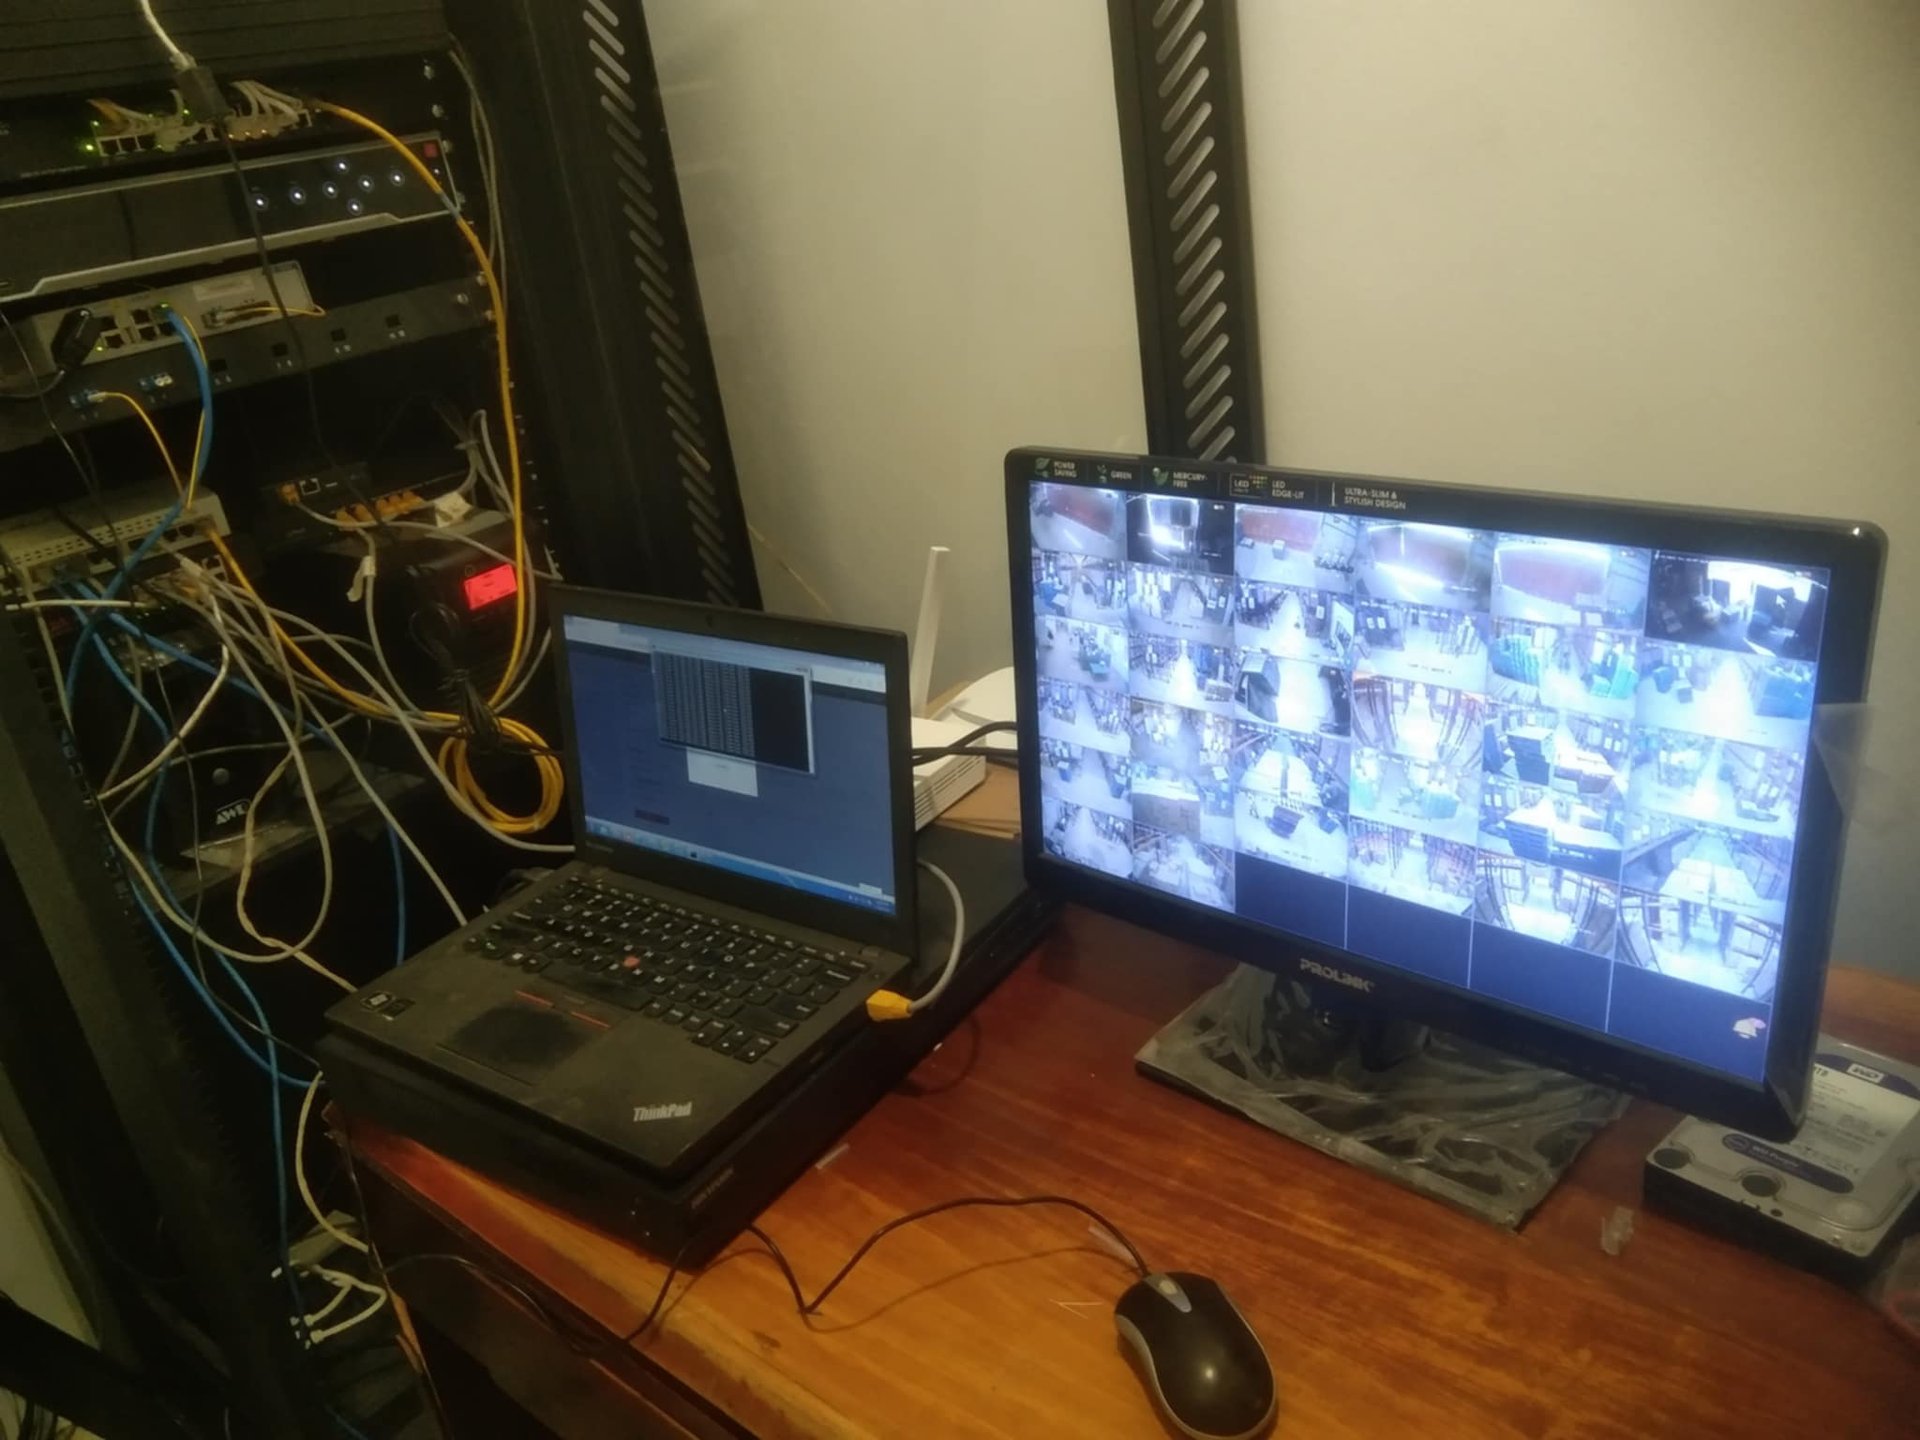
x: 701, y: 1353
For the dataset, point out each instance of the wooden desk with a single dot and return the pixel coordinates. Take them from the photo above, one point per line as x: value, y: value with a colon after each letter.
x: 1384, y: 1313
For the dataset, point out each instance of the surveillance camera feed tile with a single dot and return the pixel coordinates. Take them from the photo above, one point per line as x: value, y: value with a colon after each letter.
x: 1560, y: 773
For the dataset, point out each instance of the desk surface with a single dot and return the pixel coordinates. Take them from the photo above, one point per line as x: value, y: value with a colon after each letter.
x: 1384, y: 1313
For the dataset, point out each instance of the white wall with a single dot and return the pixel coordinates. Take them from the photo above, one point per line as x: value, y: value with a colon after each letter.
x: 31, y: 1270
x: 1649, y: 248
x: 910, y: 231
x: 1664, y: 249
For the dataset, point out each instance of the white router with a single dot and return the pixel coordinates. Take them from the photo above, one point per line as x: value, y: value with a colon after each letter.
x: 938, y: 783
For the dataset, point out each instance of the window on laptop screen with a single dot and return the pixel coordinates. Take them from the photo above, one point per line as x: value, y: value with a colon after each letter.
x: 766, y: 762
x: 1559, y: 773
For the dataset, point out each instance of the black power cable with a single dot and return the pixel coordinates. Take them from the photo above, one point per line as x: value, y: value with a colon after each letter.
x: 429, y: 1392
x: 808, y: 1307
x: 659, y: 1300
x: 196, y: 950
x: 287, y: 321
x: 478, y: 720
x: 69, y: 347
x: 265, y: 257
x: 968, y: 744
x: 87, y: 477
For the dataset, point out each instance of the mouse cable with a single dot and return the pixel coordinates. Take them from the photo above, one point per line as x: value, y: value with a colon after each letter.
x: 886, y: 1005
x: 802, y: 1305
x: 808, y: 1307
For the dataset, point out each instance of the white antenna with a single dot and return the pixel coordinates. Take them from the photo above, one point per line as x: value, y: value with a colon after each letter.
x: 926, y: 629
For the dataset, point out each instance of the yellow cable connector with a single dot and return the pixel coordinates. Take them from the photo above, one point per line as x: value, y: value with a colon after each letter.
x: 886, y: 1005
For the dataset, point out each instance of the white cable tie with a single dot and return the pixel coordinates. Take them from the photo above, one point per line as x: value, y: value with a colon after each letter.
x: 451, y: 508
x: 363, y: 576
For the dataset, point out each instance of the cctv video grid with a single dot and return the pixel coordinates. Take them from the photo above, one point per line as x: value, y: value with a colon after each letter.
x: 1560, y: 773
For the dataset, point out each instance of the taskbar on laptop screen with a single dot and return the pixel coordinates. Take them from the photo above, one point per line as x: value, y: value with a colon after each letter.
x: 1561, y: 773
x: 866, y: 897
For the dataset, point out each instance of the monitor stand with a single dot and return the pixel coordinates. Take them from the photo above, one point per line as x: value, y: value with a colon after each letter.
x: 1459, y: 1121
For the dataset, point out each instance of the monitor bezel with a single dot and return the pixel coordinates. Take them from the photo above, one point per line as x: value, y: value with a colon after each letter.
x: 898, y: 932
x: 1853, y: 552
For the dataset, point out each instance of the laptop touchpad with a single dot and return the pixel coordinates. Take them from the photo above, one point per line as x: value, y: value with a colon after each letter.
x: 518, y: 1040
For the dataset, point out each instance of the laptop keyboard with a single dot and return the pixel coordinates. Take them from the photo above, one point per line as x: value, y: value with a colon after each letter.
x: 729, y: 987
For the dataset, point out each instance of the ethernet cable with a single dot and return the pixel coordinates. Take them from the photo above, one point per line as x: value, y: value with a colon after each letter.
x: 180, y: 58
x: 353, y: 768
x: 296, y: 758
x: 179, y: 736
x: 153, y: 881
x: 395, y: 712
x: 203, y: 442
x: 885, y: 1005
x: 454, y: 752
x: 395, y: 829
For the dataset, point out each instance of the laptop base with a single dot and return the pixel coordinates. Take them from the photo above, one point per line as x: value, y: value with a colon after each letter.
x: 691, y: 1219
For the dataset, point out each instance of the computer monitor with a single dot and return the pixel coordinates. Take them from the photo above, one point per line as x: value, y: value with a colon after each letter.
x: 1535, y: 769
x: 756, y: 759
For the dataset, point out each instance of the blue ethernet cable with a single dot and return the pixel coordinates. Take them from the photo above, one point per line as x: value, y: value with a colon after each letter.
x: 195, y: 662
x: 174, y: 652
x: 91, y: 639
x: 90, y: 629
x: 399, y: 896
x: 154, y: 921
x: 165, y: 937
x: 271, y: 1064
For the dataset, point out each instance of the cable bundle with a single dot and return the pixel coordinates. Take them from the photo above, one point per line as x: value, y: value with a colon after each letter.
x: 313, y: 687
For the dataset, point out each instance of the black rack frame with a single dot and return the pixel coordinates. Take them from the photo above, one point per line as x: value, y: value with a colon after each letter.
x: 1176, y: 80
x: 608, y: 305
x: 617, y: 389
x: 81, y: 967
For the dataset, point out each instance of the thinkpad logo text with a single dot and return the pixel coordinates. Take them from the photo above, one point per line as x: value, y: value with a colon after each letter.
x: 679, y: 1111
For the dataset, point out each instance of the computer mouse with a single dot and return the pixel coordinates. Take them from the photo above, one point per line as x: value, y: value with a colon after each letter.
x: 1200, y: 1359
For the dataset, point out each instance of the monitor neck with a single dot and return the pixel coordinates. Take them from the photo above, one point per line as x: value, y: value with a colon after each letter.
x: 1323, y: 1031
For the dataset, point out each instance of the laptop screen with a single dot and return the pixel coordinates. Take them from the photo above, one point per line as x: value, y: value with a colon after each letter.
x: 764, y: 762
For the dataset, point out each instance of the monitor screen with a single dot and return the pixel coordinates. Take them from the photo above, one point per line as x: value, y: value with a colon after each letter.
x: 763, y: 762
x: 1540, y: 766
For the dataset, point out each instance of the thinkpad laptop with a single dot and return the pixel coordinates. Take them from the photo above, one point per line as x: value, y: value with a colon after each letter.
x: 743, y: 805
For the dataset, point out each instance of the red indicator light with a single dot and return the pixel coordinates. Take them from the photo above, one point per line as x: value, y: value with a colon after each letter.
x: 430, y: 149
x: 489, y: 586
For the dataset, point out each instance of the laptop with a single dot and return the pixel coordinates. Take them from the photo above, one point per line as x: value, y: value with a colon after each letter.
x: 742, y: 803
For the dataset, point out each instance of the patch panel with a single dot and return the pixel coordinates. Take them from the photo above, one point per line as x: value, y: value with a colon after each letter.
x: 137, y: 322
x: 240, y: 355
x: 171, y: 134
x: 41, y: 546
